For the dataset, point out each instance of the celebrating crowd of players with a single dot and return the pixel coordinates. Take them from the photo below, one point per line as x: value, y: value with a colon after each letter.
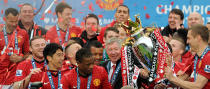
x: 68, y: 57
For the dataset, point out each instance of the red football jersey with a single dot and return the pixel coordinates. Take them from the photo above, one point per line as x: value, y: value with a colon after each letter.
x: 23, y: 69
x: 52, y: 35
x: 99, y: 79
x: 43, y: 77
x: 8, y: 68
x: 185, y: 63
x: 204, y: 69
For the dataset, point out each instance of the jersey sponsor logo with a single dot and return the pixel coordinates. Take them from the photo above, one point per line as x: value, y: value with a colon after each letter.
x: 19, y: 72
x: 207, y: 68
x: 96, y: 82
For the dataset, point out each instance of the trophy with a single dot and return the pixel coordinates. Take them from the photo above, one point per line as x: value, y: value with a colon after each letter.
x: 137, y: 47
x: 139, y: 38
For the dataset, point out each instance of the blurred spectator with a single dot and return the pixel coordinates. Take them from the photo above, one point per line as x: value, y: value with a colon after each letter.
x: 91, y: 26
x: 96, y: 49
x: 14, y: 47
x: 175, y: 21
x: 26, y: 68
x: 70, y: 52
x: 194, y: 18
x: 26, y: 21
x: 63, y: 30
x: 111, y: 32
x: 121, y: 16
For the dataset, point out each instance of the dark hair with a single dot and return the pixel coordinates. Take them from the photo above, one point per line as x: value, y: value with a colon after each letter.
x: 181, y: 35
x: 91, y: 15
x: 83, y: 53
x: 13, y: 11
x: 26, y: 4
x: 208, y: 22
x: 61, y: 6
x: 201, y: 30
x: 78, y: 40
x: 123, y: 6
x: 51, y: 49
x: 94, y: 43
x: 177, y: 12
x: 34, y: 38
x: 114, y: 29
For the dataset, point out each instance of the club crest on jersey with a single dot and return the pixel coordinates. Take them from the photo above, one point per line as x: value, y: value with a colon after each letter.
x: 207, y: 68
x: 96, y: 82
x: 19, y: 73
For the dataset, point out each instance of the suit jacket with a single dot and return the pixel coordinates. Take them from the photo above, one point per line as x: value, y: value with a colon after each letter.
x: 118, y: 82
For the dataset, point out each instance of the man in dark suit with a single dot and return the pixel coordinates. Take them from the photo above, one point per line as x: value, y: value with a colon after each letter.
x: 113, y: 66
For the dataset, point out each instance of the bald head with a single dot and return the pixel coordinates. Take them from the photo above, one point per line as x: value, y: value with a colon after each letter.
x: 194, y: 18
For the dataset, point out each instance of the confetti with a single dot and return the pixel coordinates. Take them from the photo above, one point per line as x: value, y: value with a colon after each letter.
x: 162, y: 10
x: 42, y: 18
x: 4, y: 18
x: 172, y: 3
x: 2, y: 11
x: 73, y: 20
x: 20, y: 5
x: 147, y: 16
x: 93, y: 28
x: 82, y: 3
x: 82, y: 23
x: 34, y: 8
x: 100, y: 16
x: 5, y: 1
x: 49, y: 12
x: 208, y: 12
x: 91, y: 7
x: 80, y: 12
x: 145, y: 7
x: 159, y: 5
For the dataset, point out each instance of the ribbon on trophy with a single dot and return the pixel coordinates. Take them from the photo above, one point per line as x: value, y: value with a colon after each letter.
x: 130, y: 67
x: 154, y: 57
x: 124, y: 65
x: 162, y: 51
